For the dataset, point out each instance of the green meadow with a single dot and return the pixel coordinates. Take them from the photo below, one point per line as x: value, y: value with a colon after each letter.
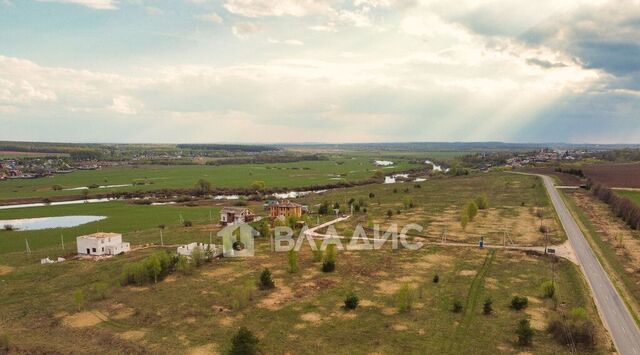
x: 283, y: 175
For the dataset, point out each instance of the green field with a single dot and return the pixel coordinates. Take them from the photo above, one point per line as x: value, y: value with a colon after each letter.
x: 200, y: 312
x: 138, y: 223
x: 284, y: 175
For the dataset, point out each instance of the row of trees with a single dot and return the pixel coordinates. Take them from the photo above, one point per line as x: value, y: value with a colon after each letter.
x: 159, y: 265
x: 621, y: 206
x: 572, y: 171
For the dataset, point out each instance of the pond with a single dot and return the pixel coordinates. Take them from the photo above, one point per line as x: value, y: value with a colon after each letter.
x: 33, y: 224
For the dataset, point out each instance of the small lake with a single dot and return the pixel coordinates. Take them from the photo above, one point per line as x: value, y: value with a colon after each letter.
x: 34, y: 224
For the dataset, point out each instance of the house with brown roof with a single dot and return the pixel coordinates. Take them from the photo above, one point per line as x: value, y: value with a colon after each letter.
x: 236, y: 215
x: 286, y: 209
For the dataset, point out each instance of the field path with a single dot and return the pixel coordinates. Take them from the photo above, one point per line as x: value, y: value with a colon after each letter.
x: 613, y: 312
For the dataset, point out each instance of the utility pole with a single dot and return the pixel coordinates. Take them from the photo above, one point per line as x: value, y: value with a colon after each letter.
x: 27, y: 244
x: 546, y: 242
x: 161, y: 239
x: 62, y: 241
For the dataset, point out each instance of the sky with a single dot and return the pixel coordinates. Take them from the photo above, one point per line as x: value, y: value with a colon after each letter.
x: 285, y: 71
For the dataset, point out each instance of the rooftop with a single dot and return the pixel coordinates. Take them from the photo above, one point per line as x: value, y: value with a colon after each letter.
x: 100, y: 235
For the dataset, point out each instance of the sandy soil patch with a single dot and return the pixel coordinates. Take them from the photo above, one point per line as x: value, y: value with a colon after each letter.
x: 133, y: 335
x: 389, y: 311
x: 366, y: 303
x: 399, y: 327
x: 387, y: 287
x: 170, y: 279
x: 4, y: 269
x: 311, y: 317
x: 124, y: 313
x: 137, y: 288
x: 491, y: 283
x: 208, y: 349
x: 438, y: 259
x: 467, y: 273
x: 84, y: 319
x: 344, y: 315
x: 277, y: 298
x: 538, y: 318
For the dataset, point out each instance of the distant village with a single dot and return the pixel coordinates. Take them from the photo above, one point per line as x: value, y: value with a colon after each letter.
x: 31, y: 168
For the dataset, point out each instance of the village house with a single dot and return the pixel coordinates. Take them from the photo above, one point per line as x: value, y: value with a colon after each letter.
x: 236, y: 215
x: 285, y: 209
x: 99, y: 244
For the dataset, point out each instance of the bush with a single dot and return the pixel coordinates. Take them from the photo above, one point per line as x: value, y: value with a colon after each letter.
x: 543, y: 229
x: 471, y: 210
x: 436, y: 279
x: 519, y: 302
x: 404, y: 298
x: 329, y: 260
x: 482, y: 201
x: 244, y: 343
x: 487, y: 306
x: 324, y: 208
x: 197, y: 257
x: 9, y: 227
x: 351, y: 301
x: 56, y: 187
x: 183, y: 265
x: 328, y: 266
x: 152, y: 268
x: 524, y: 332
x: 389, y: 213
x: 457, y: 306
x: 576, y: 328
x: 266, y: 282
x: 548, y: 289
x: 292, y: 259
x: 187, y: 223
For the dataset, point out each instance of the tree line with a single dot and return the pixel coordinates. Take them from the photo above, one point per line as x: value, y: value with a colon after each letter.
x: 621, y: 206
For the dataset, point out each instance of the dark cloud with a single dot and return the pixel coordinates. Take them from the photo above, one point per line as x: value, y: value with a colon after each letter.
x: 603, y: 37
x: 544, y: 63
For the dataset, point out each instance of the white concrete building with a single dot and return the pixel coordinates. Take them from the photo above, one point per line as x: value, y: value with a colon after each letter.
x: 187, y: 249
x: 99, y: 244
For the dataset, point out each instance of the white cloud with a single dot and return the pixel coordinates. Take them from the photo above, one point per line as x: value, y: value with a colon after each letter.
x: 291, y: 42
x: 259, y: 8
x: 243, y: 30
x: 210, y: 17
x: 94, y: 4
x: 125, y: 105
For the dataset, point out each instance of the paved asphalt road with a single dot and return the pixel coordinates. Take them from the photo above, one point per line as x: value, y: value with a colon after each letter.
x: 613, y: 311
